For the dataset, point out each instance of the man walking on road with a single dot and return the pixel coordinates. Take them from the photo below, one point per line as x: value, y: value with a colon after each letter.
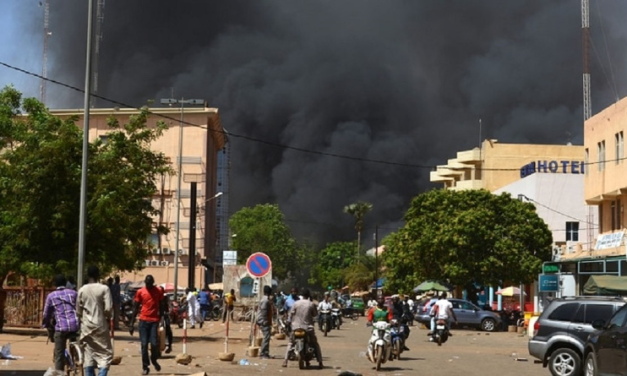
x: 61, y: 306
x: 94, y: 309
x: 265, y: 322
x: 115, y: 298
x: 229, y: 304
x: 149, y: 297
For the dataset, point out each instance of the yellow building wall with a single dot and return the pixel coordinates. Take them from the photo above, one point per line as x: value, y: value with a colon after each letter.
x: 496, y: 165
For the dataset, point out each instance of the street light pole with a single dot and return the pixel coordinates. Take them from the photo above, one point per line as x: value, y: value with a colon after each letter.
x: 182, y: 102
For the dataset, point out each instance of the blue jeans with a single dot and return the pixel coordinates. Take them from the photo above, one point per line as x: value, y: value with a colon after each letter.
x: 148, y: 334
x: 91, y: 371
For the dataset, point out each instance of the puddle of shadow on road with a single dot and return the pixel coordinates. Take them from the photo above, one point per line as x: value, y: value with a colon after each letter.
x: 22, y: 373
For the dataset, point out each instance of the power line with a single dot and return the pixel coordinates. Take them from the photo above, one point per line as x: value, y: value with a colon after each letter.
x: 266, y: 142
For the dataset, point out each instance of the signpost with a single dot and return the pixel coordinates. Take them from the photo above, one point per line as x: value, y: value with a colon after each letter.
x: 258, y: 265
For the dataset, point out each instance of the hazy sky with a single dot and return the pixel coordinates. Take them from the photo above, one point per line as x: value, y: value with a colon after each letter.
x: 399, y: 81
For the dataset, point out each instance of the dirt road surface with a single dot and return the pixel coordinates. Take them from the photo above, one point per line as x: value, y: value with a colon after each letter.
x: 468, y: 353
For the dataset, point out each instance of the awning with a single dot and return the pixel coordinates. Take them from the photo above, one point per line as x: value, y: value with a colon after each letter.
x: 605, y: 285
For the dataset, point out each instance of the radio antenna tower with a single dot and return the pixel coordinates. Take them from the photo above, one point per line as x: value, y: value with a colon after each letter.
x: 98, y: 37
x: 585, y: 28
x: 44, y: 67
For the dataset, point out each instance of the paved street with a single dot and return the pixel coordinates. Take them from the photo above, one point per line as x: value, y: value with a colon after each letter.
x: 467, y: 353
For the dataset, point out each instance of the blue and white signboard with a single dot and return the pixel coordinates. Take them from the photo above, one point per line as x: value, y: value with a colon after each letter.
x: 549, y: 282
x: 612, y: 240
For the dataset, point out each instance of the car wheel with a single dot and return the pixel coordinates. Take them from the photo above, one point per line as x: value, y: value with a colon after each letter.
x: 590, y: 368
x: 489, y: 325
x: 565, y: 362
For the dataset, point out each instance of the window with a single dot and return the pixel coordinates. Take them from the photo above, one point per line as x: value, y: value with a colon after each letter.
x: 619, y: 318
x: 572, y: 231
x: 246, y: 287
x: 613, y: 214
x: 598, y: 312
x: 620, y: 149
x: 601, y: 229
x: 586, y: 161
x: 601, y: 155
x: 564, y: 312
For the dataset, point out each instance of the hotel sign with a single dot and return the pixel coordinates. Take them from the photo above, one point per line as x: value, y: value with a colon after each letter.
x: 612, y: 240
x: 554, y: 167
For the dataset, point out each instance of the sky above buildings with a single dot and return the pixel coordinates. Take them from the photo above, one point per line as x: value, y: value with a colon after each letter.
x: 396, y: 87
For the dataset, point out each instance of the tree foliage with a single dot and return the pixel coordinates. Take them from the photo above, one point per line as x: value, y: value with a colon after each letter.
x: 466, y: 237
x: 262, y: 229
x: 330, y: 265
x: 40, y: 178
x: 358, y: 210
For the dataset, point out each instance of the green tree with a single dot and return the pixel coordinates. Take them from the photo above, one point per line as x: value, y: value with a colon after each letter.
x: 465, y: 237
x: 40, y: 175
x: 331, y: 263
x: 360, y: 276
x: 358, y: 210
x: 262, y: 229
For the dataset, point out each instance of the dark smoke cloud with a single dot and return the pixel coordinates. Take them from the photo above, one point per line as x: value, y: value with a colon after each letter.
x: 402, y: 81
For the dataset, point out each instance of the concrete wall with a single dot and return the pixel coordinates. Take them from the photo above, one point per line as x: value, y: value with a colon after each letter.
x: 232, y: 279
x: 558, y: 199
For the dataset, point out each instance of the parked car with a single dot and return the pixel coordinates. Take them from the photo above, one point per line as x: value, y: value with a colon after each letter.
x: 561, y: 331
x: 605, y: 352
x: 467, y: 314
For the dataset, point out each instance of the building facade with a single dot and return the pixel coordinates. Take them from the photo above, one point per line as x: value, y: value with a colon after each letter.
x: 606, y: 188
x: 203, y: 139
x: 494, y: 165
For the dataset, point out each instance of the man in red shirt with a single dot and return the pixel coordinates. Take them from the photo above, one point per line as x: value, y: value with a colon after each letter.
x: 149, y: 297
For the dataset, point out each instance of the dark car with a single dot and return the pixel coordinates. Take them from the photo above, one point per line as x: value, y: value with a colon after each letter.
x: 561, y: 331
x: 467, y: 314
x: 606, y: 352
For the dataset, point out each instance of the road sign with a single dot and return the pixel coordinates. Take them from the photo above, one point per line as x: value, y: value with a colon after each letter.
x: 258, y: 264
x: 229, y: 257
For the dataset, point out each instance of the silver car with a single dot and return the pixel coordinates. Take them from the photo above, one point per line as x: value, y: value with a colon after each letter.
x: 467, y: 314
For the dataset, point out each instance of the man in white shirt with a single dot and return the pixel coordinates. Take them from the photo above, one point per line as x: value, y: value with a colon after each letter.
x: 324, y: 305
x: 443, y: 310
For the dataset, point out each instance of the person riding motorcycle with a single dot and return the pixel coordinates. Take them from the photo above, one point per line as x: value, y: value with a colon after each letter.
x: 301, y: 316
x: 379, y: 313
x: 399, y: 315
x: 442, y: 310
x: 324, y: 305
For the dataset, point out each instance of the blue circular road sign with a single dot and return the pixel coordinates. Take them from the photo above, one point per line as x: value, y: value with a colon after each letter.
x: 258, y: 264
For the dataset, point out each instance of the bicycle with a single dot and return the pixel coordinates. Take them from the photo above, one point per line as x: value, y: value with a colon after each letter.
x: 74, y: 358
x: 245, y: 314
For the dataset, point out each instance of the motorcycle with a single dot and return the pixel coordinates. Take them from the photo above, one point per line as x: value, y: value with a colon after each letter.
x: 441, y: 333
x: 379, y: 348
x: 178, y: 314
x: 350, y: 313
x: 284, y: 327
x: 303, y: 351
x: 336, y: 318
x: 325, y: 321
x: 126, y: 309
x: 398, y: 336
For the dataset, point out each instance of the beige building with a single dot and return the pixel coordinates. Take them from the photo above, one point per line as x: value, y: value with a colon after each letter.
x: 606, y: 187
x: 496, y: 165
x: 203, y: 137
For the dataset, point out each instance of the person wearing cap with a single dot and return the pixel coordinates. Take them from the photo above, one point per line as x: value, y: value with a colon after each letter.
x: 149, y: 297
x: 265, y: 322
x: 94, y: 308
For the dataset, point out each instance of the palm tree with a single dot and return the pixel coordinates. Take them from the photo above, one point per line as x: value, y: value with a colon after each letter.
x: 358, y: 210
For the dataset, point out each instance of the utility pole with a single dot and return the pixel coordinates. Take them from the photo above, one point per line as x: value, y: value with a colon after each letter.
x: 44, y: 65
